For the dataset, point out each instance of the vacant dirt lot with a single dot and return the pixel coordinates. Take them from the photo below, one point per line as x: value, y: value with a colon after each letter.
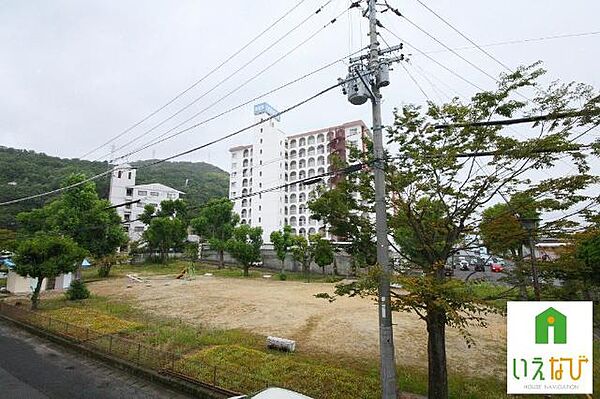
x: 289, y: 309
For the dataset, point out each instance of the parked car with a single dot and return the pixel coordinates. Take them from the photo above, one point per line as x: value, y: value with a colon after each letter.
x: 464, y: 265
x: 274, y: 393
x: 496, y: 268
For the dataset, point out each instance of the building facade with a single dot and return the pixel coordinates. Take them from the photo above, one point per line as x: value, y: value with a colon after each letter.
x: 275, y: 159
x: 123, y: 189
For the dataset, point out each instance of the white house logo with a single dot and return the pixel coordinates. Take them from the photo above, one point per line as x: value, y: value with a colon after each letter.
x: 549, y: 348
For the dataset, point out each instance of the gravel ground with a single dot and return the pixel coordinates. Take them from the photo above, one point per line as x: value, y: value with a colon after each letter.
x: 289, y: 309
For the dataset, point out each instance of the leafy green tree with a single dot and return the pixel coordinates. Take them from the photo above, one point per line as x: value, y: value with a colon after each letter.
x: 7, y: 239
x: 303, y: 253
x: 46, y: 256
x: 167, y: 228
x: 503, y: 234
x: 282, y: 241
x: 244, y: 245
x: 435, y: 194
x: 322, y: 250
x: 84, y: 217
x: 215, y: 224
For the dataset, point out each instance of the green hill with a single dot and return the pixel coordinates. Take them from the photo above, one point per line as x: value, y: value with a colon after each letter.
x: 24, y: 173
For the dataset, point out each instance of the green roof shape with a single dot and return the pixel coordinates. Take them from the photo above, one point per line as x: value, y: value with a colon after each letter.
x: 550, y: 318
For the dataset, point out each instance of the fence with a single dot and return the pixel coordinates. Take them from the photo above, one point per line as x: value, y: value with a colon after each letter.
x: 213, y: 377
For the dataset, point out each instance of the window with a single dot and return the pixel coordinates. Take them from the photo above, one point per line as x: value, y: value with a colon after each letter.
x: 128, y: 206
x: 293, y: 144
x: 142, y: 193
x: 129, y: 175
x: 302, y: 153
x: 311, y: 140
x: 259, y: 220
x: 260, y: 174
x: 171, y: 195
x: 232, y: 184
x: 154, y: 193
x: 260, y: 208
x: 320, y: 138
x: 138, y: 229
x: 302, y: 142
x: 302, y: 164
x: 119, y: 174
x: 233, y: 193
x: 233, y: 174
x: 127, y: 217
x: 260, y: 153
x: 245, y: 164
x: 234, y: 155
x: 234, y: 165
x: 261, y: 139
x: 129, y: 192
x: 311, y: 151
x: 321, y: 149
x: 140, y: 204
x: 246, y: 153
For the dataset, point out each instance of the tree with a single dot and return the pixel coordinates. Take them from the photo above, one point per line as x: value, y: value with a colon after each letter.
x: 322, y: 250
x: 215, y: 224
x: 303, y: 253
x: 503, y: 234
x: 84, y: 217
x: 436, y: 193
x: 7, y: 239
x: 46, y: 256
x: 244, y: 245
x: 282, y: 241
x: 167, y: 228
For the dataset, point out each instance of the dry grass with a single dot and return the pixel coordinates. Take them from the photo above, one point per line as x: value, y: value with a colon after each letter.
x: 88, y: 318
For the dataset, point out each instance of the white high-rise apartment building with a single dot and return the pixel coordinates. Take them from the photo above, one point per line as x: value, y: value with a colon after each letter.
x: 274, y: 159
x: 123, y: 190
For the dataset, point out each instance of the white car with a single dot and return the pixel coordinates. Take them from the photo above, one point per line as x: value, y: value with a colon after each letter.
x: 274, y: 393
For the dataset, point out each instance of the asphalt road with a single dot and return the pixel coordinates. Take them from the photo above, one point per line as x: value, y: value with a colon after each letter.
x: 32, y: 368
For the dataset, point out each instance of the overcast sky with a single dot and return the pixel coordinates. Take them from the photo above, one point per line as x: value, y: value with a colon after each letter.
x: 75, y: 73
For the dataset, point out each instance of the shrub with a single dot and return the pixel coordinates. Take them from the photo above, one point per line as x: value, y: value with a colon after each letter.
x: 282, y: 276
x: 77, y: 291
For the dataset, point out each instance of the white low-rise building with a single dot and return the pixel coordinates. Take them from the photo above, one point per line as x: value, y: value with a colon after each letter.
x: 123, y: 190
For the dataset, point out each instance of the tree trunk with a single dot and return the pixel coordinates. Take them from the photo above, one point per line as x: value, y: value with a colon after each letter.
x: 335, y: 268
x: 283, y: 266
x: 35, y: 298
x: 436, y: 352
x: 221, y: 259
x: 246, y: 267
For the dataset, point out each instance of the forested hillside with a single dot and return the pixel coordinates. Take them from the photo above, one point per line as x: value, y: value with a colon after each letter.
x: 24, y: 173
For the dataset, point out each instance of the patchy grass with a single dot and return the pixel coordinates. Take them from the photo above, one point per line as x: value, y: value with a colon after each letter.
x: 177, y: 266
x: 88, y: 318
x: 248, y: 370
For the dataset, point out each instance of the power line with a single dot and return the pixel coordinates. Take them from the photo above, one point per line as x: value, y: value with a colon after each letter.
x: 464, y: 36
x: 235, y: 72
x: 519, y: 41
x: 161, y: 138
x: 58, y: 190
x: 528, y: 119
x: 288, y: 109
x: 434, y: 60
x: 197, y: 82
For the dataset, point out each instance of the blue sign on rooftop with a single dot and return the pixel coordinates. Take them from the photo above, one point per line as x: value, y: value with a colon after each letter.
x: 264, y: 108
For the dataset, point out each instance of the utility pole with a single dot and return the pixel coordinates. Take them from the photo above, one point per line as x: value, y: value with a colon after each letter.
x: 386, y: 335
x: 364, y: 82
